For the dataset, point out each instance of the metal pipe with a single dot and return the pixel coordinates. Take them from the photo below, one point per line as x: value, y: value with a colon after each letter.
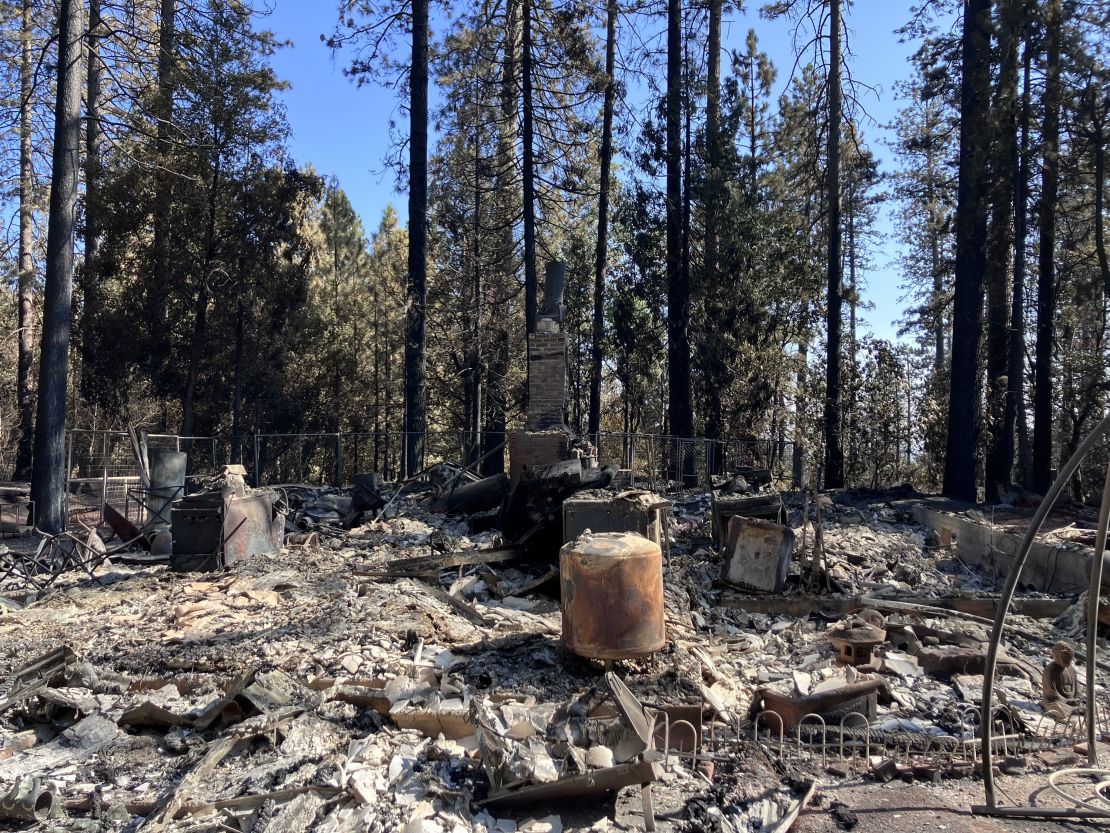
x: 1008, y: 594
x: 1091, y: 772
x: 30, y: 799
x: 1093, y: 593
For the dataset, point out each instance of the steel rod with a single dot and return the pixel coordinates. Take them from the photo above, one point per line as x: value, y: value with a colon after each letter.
x: 1008, y: 594
x: 1093, y: 593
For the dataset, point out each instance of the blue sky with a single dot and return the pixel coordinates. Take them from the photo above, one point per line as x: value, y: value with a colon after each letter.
x: 343, y: 130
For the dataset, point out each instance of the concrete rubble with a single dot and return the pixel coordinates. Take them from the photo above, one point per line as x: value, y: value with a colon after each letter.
x: 397, y: 665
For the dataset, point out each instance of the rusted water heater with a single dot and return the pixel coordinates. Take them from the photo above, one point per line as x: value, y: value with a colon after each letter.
x: 612, y: 587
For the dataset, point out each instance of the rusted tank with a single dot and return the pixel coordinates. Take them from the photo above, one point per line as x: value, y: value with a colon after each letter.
x: 612, y: 587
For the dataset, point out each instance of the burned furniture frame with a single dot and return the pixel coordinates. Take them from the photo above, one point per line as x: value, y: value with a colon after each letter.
x: 147, y: 499
x: 55, y: 555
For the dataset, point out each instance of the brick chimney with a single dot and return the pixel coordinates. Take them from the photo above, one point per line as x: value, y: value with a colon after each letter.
x: 545, y: 438
x: 547, y: 379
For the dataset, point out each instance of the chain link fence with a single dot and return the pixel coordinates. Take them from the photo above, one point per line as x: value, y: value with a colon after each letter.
x: 101, y: 469
x: 101, y: 465
x: 676, y: 464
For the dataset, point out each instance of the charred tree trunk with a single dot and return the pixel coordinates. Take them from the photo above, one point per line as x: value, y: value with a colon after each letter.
x: 380, y: 425
x: 528, y: 168
x: 48, y: 481
x: 497, y: 396
x: 938, y: 292
x: 237, y: 396
x: 679, y: 410
x: 798, y: 458
x: 971, y: 234
x: 936, y: 266
x: 416, y: 417
x: 196, y: 350
x: 26, y: 358
x: 848, y: 402
x: 163, y: 197
x: 94, y: 142
x: 1016, y: 386
x: 714, y: 416
x: 1046, y: 276
x: 1097, y: 114
x: 834, y: 450
x: 684, y: 264
x: 601, y: 256
x: 474, y: 351
x: 1000, y: 453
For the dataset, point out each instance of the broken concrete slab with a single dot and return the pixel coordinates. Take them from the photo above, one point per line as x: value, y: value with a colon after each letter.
x: 1049, y: 568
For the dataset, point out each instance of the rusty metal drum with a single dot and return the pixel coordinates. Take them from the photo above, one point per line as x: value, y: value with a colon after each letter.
x: 612, y: 588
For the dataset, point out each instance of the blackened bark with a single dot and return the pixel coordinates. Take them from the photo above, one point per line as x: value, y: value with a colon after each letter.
x: 714, y: 412
x: 474, y: 386
x: 94, y: 145
x: 416, y: 417
x: 237, y: 395
x: 380, y: 426
x: 528, y: 169
x: 798, y: 456
x: 160, y: 284
x: 938, y: 291
x: 1046, y: 276
x: 26, y: 357
x: 48, y: 481
x: 935, y: 230
x: 1097, y: 114
x: 496, y: 404
x: 834, y: 450
x: 679, y: 410
x: 971, y: 243
x: 601, y: 256
x: 1015, y: 388
x: 848, y: 410
x: 1000, y: 453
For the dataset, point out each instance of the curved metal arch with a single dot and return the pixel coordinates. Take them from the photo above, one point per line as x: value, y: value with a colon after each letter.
x: 1007, y: 597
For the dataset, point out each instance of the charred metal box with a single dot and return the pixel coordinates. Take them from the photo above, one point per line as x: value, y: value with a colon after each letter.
x: 632, y: 511
x: 213, y: 530
x: 766, y: 505
x: 758, y: 554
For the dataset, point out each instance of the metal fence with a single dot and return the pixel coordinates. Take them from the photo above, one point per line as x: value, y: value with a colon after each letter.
x: 101, y: 467
x: 676, y: 464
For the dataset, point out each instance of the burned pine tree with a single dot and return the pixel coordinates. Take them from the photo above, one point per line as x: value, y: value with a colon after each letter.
x: 48, y: 474
x: 971, y: 242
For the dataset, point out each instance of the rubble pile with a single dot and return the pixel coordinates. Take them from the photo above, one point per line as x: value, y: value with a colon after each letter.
x: 405, y: 670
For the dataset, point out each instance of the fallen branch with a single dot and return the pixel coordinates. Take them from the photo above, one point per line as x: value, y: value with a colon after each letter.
x: 168, y: 807
x: 430, y: 564
x: 144, y: 807
x: 455, y: 602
